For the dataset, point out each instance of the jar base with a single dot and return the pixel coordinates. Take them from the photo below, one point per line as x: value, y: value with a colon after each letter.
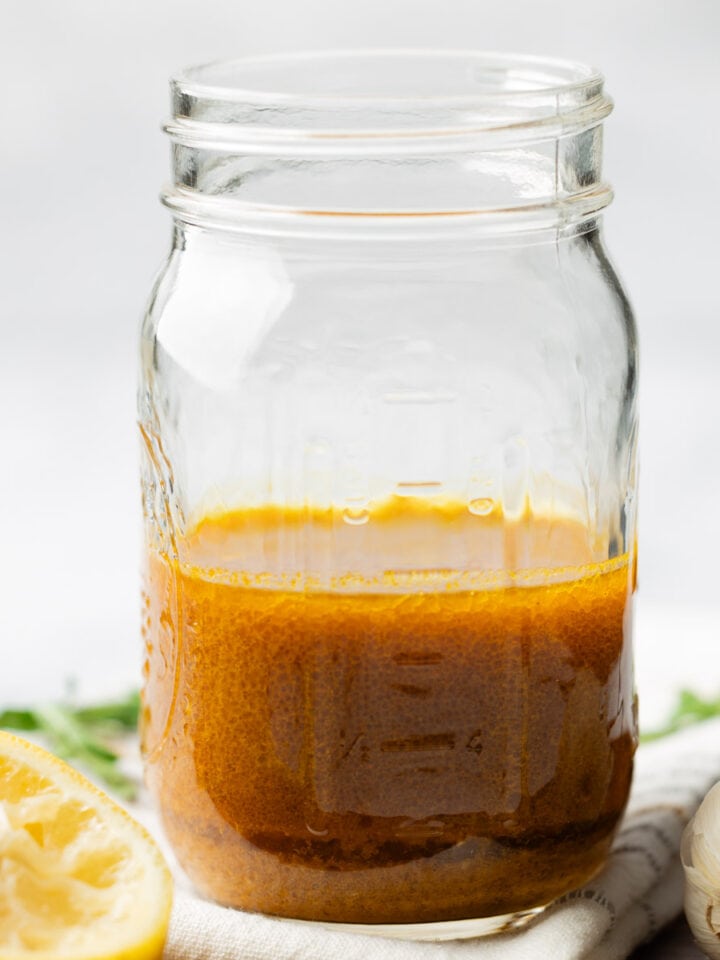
x: 434, y: 931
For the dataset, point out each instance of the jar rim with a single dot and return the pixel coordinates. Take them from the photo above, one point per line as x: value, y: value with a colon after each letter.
x: 538, y: 75
x: 344, y: 99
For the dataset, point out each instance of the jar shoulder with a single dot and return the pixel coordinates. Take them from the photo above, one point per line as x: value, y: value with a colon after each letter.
x: 220, y: 309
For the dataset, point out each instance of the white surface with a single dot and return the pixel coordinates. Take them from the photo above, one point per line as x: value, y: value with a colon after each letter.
x: 82, y: 162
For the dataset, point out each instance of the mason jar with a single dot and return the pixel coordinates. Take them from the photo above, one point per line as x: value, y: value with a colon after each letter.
x: 388, y: 422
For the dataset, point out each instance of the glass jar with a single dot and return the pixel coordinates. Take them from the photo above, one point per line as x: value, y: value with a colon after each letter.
x: 388, y: 421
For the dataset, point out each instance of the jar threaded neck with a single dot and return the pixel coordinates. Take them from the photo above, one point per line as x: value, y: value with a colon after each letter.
x: 510, y: 141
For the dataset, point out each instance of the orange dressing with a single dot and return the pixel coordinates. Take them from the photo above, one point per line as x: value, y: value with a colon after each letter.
x: 395, y: 743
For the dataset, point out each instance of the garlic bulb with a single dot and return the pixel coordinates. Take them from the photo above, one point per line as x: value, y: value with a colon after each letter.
x: 700, y: 852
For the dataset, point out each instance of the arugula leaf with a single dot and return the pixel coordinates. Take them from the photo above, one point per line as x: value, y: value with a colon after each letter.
x: 18, y: 720
x: 689, y: 709
x: 84, y: 735
x: 122, y: 713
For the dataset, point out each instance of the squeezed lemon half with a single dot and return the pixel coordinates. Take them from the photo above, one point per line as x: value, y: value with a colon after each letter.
x: 79, y: 878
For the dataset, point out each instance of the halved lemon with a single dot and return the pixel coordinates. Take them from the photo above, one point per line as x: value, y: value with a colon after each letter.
x: 79, y: 878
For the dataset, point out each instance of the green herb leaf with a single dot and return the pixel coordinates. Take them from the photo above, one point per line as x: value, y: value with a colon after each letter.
x: 18, y: 720
x: 84, y: 735
x: 122, y: 713
x: 689, y: 709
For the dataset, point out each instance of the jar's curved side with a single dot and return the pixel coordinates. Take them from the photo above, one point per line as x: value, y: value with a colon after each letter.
x: 163, y: 524
x: 628, y: 424
x: 596, y: 292
x: 609, y: 366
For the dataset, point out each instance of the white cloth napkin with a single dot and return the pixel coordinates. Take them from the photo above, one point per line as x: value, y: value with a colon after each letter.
x: 638, y: 892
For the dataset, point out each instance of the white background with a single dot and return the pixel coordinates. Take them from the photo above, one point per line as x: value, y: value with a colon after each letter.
x: 82, y: 161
